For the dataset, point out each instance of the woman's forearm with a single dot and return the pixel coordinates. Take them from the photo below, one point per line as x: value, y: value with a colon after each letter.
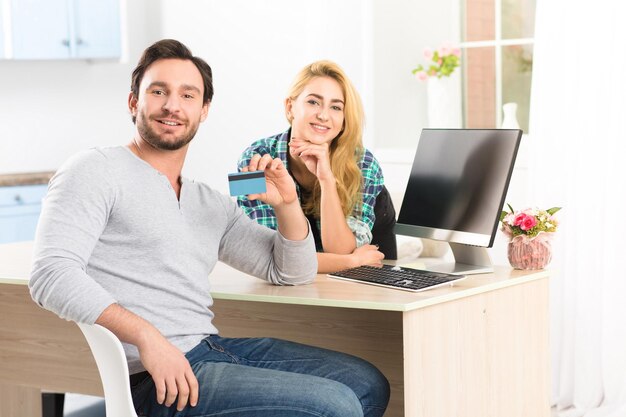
x: 336, y: 235
x: 332, y: 262
x: 364, y: 255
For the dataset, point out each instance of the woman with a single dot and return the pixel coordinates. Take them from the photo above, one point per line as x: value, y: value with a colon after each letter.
x: 338, y: 180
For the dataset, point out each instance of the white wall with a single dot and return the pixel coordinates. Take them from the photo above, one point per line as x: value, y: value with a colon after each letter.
x: 402, y: 29
x: 255, y: 48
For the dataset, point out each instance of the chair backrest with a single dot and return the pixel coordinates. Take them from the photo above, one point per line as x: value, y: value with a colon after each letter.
x: 109, y: 355
x: 383, y: 233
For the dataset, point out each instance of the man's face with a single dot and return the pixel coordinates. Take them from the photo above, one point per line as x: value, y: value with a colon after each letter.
x: 169, y: 108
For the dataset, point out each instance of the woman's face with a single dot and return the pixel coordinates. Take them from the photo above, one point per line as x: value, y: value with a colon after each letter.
x: 317, y: 113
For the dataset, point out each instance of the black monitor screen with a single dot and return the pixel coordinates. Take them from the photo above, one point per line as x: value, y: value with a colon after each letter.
x: 459, y: 180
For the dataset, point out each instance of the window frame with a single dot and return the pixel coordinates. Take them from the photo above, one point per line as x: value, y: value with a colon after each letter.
x: 497, y: 43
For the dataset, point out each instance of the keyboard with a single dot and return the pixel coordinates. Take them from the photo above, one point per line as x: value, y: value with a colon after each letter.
x: 396, y: 277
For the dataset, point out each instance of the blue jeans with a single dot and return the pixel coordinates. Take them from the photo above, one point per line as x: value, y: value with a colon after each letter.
x: 270, y: 377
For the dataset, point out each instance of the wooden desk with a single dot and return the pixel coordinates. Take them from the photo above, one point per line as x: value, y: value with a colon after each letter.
x: 477, y: 349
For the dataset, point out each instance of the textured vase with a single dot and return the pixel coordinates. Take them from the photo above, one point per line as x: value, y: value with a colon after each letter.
x: 525, y: 253
x: 509, y: 119
x: 444, y: 101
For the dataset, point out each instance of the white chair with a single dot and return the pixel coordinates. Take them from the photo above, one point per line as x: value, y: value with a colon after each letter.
x: 109, y: 355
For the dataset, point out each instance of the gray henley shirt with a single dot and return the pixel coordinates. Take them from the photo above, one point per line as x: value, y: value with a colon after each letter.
x: 112, y: 231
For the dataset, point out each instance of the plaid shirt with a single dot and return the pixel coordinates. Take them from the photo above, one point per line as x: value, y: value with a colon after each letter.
x: 362, y: 218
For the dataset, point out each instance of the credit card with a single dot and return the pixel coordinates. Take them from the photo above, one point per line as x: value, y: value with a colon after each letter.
x: 244, y: 183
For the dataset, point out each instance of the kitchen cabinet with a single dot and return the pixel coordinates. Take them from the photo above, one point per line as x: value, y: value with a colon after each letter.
x: 64, y: 29
x: 19, y: 211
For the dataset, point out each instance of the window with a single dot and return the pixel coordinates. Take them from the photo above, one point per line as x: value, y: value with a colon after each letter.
x: 497, y: 44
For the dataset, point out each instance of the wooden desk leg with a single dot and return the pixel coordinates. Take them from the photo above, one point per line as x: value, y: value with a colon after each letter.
x: 19, y: 401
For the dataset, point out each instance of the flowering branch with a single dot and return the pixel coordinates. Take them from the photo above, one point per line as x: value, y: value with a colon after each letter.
x: 444, y: 61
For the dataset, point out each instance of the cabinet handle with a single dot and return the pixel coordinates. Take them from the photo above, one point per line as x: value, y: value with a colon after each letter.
x: 79, y: 41
x: 65, y: 42
x: 18, y: 199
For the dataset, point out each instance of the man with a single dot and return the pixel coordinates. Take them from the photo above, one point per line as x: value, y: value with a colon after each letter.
x: 126, y: 242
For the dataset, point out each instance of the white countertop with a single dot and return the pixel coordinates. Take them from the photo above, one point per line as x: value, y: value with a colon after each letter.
x: 230, y: 284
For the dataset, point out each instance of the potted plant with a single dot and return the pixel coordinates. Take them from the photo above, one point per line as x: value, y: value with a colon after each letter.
x: 530, y: 232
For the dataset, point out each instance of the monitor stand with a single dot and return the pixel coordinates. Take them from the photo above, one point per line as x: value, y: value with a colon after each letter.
x: 467, y: 260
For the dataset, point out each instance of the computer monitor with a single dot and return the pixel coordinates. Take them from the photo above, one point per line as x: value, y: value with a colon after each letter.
x: 456, y: 191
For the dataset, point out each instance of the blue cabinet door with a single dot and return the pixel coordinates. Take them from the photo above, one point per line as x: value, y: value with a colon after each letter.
x: 61, y: 29
x: 19, y: 212
x: 97, y: 28
x: 40, y: 29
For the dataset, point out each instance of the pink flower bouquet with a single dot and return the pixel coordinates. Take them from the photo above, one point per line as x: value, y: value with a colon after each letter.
x: 529, y: 222
x: 530, y: 231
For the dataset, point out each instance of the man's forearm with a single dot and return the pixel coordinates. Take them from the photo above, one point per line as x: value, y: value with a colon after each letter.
x: 127, y: 326
x: 291, y: 221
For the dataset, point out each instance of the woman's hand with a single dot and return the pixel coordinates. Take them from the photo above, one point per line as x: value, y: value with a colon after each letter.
x: 280, y: 186
x: 367, y: 255
x: 316, y: 157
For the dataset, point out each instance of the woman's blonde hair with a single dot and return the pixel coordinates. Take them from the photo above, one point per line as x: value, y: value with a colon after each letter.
x: 347, y: 148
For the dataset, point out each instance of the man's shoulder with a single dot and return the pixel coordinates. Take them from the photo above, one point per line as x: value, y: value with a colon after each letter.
x: 95, y: 158
x: 91, y: 165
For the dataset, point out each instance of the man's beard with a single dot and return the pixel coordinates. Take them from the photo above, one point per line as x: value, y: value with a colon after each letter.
x: 153, y: 138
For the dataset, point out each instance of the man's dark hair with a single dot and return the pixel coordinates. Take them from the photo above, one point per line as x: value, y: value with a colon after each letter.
x: 171, y: 49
